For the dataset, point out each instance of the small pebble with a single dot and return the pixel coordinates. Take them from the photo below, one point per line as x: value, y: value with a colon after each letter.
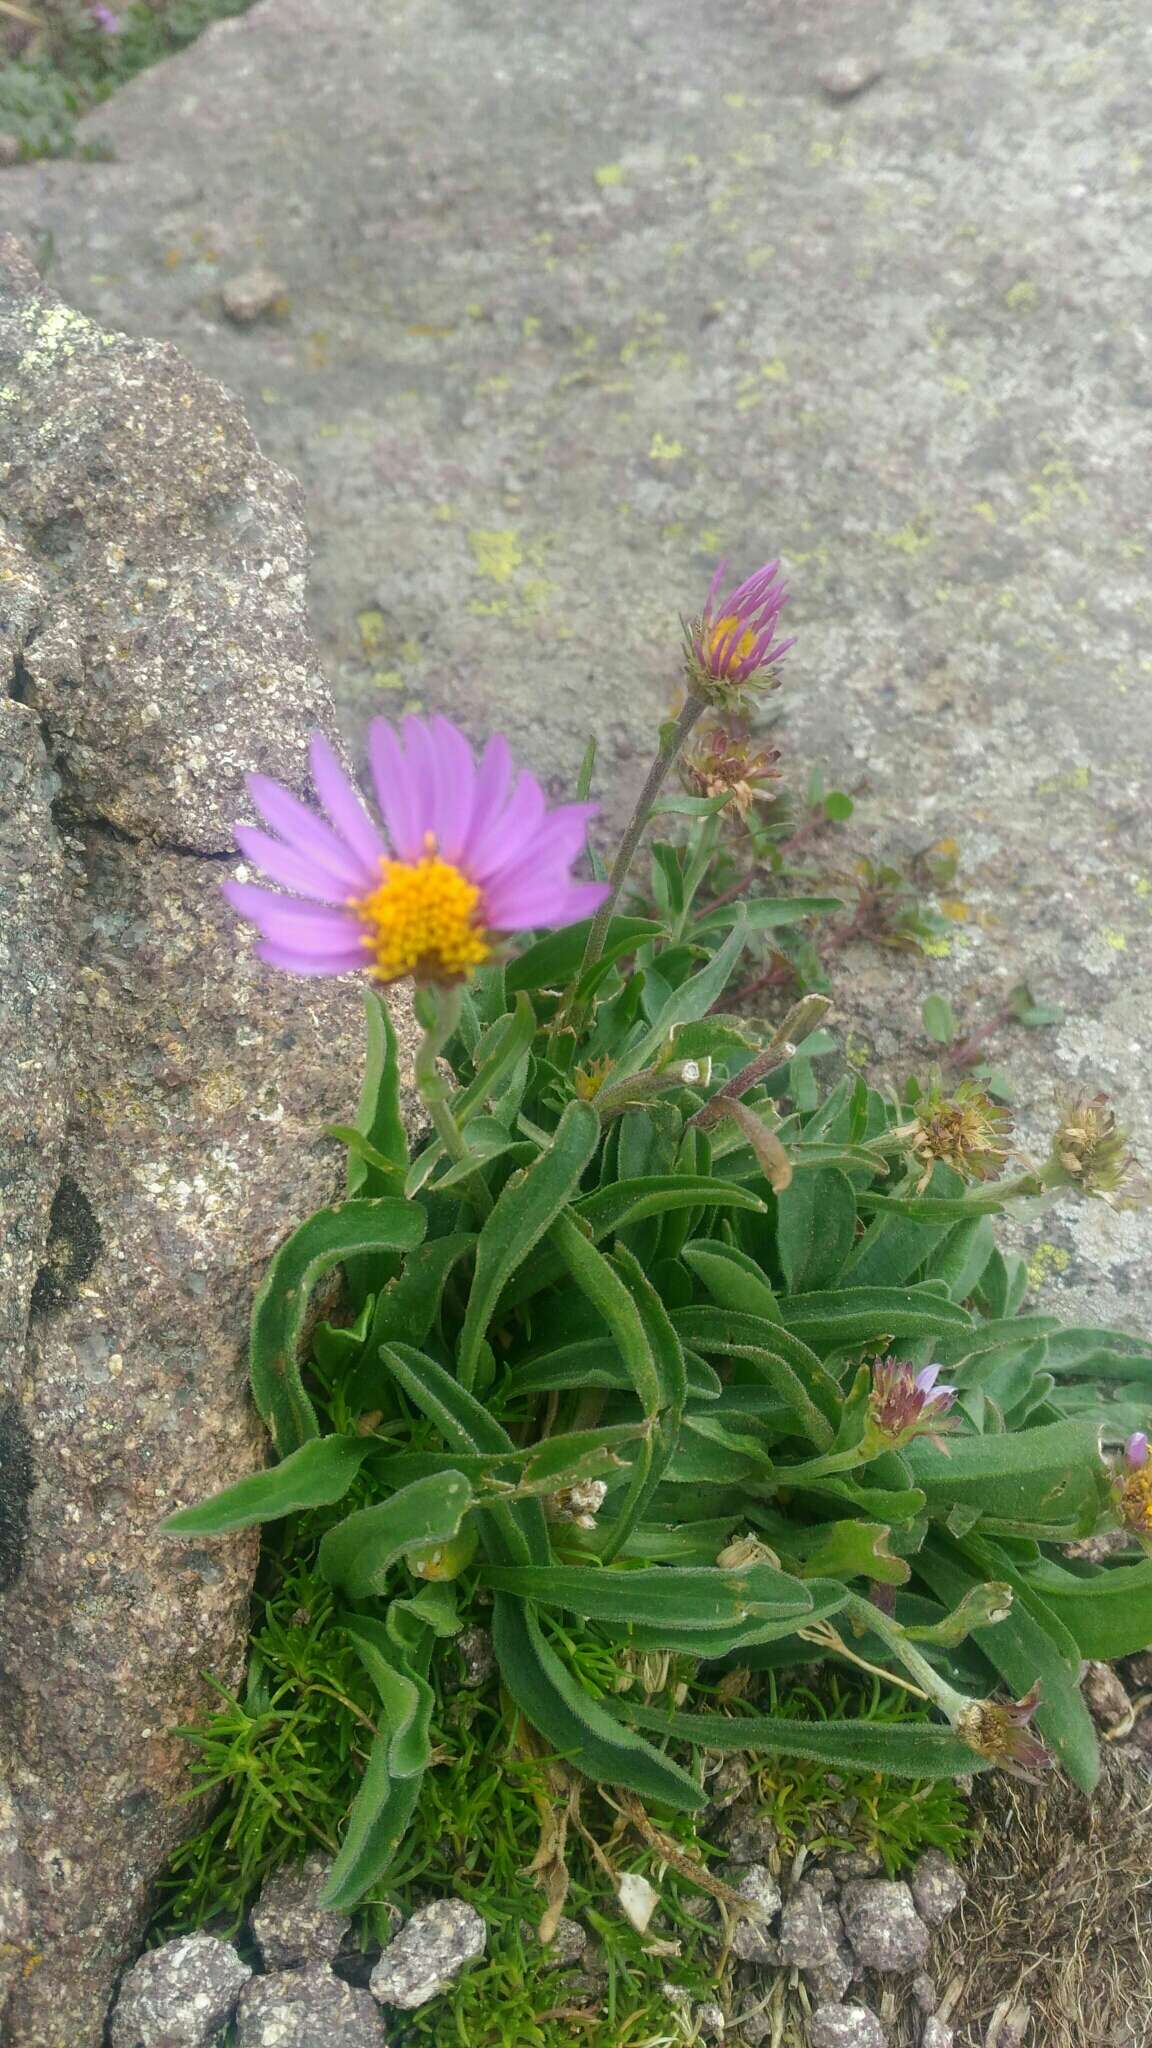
x: 811, y: 1932
x: 936, y: 2035
x: 479, y: 1658
x: 290, y: 1926
x: 306, y: 2008
x: 882, y: 1924
x: 255, y: 295
x: 1106, y: 1697
x: 924, y: 1991
x: 937, y: 1887
x: 849, y: 76
x: 845, y: 2026
x: 747, y: 1834
x: 179, y: 1996
x: 752, y: 1939
x: 430, y: 1950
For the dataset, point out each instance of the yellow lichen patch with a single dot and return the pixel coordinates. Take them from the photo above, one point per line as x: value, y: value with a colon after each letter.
x: 496, y: 552
x: 776, y: 370
x: 953, y: 907
x: 1116, y: 939
x: 663, y: 450
x: 608, y: 175
x: 422, y: 920
x: 910, y: 540
x: 1046, y: 1260
x: 1020, y: 295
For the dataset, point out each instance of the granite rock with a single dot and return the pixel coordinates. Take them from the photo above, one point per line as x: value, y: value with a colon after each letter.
x: 163, y: 1097
x: 884, y: 1930
x: 811, y: 1932
x: 179, y: 1996
x: 307, y: 2008
x: 845, y: 2026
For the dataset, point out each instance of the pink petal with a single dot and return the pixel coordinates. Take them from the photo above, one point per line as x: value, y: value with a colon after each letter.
x: 396, y: 791
x: 522, y: 906
x: 293, y: 924
x: 342, y: 803
x: 345, y: 960
x: 282, y: 864
x: 305, y: 833
x: 557, y: 842
x: 510, y: 832
x: 422, y: 777
x: 456, y: 786
x: 493, y: 777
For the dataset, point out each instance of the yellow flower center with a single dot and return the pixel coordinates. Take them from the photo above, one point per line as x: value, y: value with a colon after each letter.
x: 724, y: 658
x: 1136, y: 1500
x: 421, y: 920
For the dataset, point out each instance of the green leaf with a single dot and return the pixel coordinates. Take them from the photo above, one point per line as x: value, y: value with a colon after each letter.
x: 595, y: 1362
x: 576, y: 1725
x: 693, y: 999
x: 376, y: 1825
x: 815, y: 1227
x: 848, y: 1550
x: 502, y: 1046
x: 601, y: 1284
x: 408, y: 1307
x: 527, y: 1207
x: 868, y: 1315
x: 519, y: 1529
x: 730, y: 1333
x: 1108, y: 1611
x: 281, y: 1305
x: 1049, y: 1480
x: 554, y: 961
x: 486, y: 1140
x: 684, y: 1596
x: 320, y: 1472
x: 1100, y: 1355
x: 838, y: 806
x: 939, y: 1020
x: 733, y: 1279
x: 767, y: 913
x: 378, y: 1118
x: 563, y: 1461
x: 909, y: 1750
x: 359, y: 1552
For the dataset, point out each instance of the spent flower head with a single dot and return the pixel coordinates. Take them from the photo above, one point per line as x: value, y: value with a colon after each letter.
x: 1132, y: 1488
x: 734, y: 639
x: 469, y: 853
x: 1090, y: 1152
x: 723, y: 763
x: 1001, y: 1731
x: 966, y: 1130
x: 905, y: 1403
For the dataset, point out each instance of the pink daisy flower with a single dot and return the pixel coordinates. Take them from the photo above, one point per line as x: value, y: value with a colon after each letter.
x: 469, y: 853
x: 734, y: 637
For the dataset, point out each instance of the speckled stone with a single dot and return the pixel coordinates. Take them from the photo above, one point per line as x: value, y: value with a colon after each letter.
x: 163, y: 1097
x: 938, y: 1887
x: 430, y: 1951
x: 179, y: 1996
x: 845, y: 2026
x: 753, y: 1939
x: 290, y: 1926
x: 308, y: 2008
x: 884, y: 1930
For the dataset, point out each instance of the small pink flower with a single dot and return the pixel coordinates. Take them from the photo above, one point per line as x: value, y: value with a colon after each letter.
x: 471, y: 853
x: 733, y: 638
x: 906, y: 1403
x: 1136, y: 1450
x: 105, y: 19
x: 1132, y: 1487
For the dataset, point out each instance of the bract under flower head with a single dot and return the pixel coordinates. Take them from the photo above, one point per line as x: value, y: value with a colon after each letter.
x: 1132, y: 1487
x: 905, y: 1403
x: 469, y: 853
x: 966, y: 1130
x: 734, y: 637
x: 1090, y: 1152
x: 1000, y: 1731
x: 723, y: 763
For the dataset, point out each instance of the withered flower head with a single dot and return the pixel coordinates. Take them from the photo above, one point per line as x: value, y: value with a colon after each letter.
x: 1089, y: 1152
x: 905, y: 1403
x: 1000, y: 1731
x: 966, y: 1130
x: 723, y: 763
x: 580, y: 1503
x: 1132, y: 1487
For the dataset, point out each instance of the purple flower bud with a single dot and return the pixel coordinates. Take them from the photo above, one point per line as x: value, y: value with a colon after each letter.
x: 734, y: 636
x: 105, y: 19
x: 1136, y: 1450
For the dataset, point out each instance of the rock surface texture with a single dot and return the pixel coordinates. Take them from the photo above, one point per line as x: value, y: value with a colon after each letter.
x: 179, y: 1996
x: 162, y: 1097
x: 430, y: 1950
x: 570, y: 314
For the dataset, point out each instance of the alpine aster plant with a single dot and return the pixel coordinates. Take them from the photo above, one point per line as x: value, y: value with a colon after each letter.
x: 468, y: 854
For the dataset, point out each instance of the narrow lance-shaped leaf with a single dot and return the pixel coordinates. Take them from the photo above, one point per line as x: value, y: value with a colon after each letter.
x: 526, y: 1208
x: 577, y: 1726
x: 378, y: 1118
x: 320, y: 1472
x: 281, y: 1305
x: 911, y: 1750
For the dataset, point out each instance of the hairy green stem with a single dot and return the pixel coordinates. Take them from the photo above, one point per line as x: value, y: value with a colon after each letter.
x: 441, y: 1014
x: 672, y: 738
x: 871, y: 1618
